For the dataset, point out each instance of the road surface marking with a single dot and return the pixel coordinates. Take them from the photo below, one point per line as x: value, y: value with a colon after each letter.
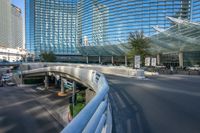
x: 129, y: 127
x: 120, y: 100
x: 139, y: 123
x: 170, y: 90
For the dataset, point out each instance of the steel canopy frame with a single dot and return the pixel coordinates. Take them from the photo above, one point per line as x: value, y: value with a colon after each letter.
x: 183, y: 36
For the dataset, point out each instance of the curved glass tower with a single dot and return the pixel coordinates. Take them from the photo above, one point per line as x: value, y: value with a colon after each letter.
x: 62, y: 25
x: 103, y: 22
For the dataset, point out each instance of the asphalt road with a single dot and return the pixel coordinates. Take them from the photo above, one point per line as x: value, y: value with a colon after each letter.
x: 163, y: 104
x: 21, y: 111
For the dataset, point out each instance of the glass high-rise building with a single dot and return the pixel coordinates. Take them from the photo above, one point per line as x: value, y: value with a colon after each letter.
x: 5, y: 23
x: 16, y: 27
x: 51, y: 25
x: 107, y: 22
x: 195, y: 10
x: 62, y: 25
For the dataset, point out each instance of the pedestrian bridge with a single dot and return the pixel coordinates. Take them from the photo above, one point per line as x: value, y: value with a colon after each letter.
x: 96, y: 115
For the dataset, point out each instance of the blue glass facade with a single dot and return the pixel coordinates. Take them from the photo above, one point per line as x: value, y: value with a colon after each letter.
x: 62, y: 25
x: 196, y: 10
x: 29, y: 21
x: 110, y: 21
x: 51, y: 26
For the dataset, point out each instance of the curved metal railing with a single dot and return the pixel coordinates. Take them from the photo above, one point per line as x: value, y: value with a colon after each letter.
x: 96, y: 116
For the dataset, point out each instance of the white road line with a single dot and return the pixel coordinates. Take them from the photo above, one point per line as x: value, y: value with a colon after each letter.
x: 139, y: 123
x: 120, y: 100
x: 128, y: 99
x: 129, y: 126
x: 173, y: 90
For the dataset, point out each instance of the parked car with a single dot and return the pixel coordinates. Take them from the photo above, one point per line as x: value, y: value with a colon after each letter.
x: 10, y: 83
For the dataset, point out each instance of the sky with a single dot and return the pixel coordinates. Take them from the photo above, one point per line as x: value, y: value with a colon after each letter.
x: 20, y: 4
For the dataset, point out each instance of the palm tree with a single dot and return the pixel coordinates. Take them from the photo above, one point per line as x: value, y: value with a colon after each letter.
x: 48, y: 56
x: 139, y: 45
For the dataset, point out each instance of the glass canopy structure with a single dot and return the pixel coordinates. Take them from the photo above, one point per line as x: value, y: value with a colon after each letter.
x: 182, y: 36
x: 106, y: 50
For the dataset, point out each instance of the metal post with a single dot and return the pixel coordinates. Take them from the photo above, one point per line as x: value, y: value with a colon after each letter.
x: 125, y: 60
x: 73, y: 96
x: 55, y: 81
x: 112, y: 60
x: 21, y: 75
x: 99, y: 59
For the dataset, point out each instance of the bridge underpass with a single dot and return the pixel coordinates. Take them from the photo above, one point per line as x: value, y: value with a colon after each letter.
x: 166, y: 104
x: 95, y: 116
x: 161, y: 104
x: 26, y: 110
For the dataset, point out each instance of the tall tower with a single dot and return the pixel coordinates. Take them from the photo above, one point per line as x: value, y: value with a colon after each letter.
x: 195, y: 9
x: 16, y: 27
x: 5, y: 23
x: 51, y: 25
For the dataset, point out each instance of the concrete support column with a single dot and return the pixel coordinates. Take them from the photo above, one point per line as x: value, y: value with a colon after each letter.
x: 99, y: 59
x: 62, y: 86
x: 87, y: 59
x: 46, y: 82
x: 62, y: 89
x: 56, y: 81
x: 158, y: 59
x: 125, y: 60
x: 112, y: 60
x: 180, y: 58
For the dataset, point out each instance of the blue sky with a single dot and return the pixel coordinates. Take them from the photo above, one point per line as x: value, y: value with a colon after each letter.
x: 20, y: 4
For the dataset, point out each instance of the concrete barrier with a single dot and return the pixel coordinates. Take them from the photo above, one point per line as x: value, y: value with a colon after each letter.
x: 119, y: 70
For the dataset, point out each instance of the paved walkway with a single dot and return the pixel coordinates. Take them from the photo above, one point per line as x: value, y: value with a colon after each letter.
x: 24, y: 110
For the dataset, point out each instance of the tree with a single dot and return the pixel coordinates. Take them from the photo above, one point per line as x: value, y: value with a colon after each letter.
x: 139, y: 45
x: 48, y: 56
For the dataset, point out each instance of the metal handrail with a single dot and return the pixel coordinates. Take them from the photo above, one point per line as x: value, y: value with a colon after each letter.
x: 96, y: 115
